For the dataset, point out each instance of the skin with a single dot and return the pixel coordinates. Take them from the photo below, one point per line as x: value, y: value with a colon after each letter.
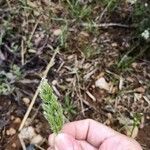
x: 90, y: 135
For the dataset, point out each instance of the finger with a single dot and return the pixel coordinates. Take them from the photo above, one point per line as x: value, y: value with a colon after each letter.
x: 86, y: 146
x: 66, y: 142
x: 51, y: 139
x: 95, y: 133
x: 120, y: 143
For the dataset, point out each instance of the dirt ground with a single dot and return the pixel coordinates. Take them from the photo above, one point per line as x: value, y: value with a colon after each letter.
x: 100, y: 67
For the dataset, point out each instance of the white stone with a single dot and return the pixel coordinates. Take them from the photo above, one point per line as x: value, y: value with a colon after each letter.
x: 28, y: 133
x: 132, y: 1
x: 102, y: 84
x: 146, y: 34
x: 38, y: 139
x: 57, y: 32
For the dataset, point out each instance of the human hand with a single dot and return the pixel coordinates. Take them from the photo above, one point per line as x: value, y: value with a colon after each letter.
x: 91, y: 135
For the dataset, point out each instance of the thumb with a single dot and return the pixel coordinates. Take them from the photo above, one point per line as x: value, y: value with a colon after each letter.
x: 66, y: 142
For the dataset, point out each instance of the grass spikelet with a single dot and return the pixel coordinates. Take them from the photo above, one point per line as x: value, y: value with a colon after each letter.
x: 53, y: 111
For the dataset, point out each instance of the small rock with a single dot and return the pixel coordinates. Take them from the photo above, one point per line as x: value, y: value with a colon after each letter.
x: 28, y: 122
x: 14, y: 145
x: 140, y: 90
x: 17, y: 120
x: 109, y: 115
x: 12, y: 117
x: 11, y: 131
x: 26, y: 101
x: 28, y: 133
x: 107, y: 122
x: 54, y: 82
x: 134, y: 65
x: 57, y: 32
x: 114, y: 44
x: 32, y: 51
x: 38, y: 127
x: 38, y: 139
x: 130, y: 79
x: 102, y: 84
x: 85, y: 34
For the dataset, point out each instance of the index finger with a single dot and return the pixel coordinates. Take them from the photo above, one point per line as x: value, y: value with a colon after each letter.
x: 91, y: 131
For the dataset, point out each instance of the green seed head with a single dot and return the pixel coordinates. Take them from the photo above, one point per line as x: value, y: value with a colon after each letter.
x: 53, y: 111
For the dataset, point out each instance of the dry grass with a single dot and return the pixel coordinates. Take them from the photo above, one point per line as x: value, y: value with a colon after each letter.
x: 93, y: 44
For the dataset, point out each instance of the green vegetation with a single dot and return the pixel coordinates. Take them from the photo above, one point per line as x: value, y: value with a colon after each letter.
x: 53, y: 111
x: 110, y: 5
x: 7, y: 79
x: 69, y: 107
x: 78, y: 10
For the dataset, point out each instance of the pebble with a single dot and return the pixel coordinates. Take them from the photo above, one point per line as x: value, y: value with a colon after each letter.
x: 11, y: 131
x: 85, y: 34
x: 27, y: 133
x: 38, y: 139
x: 17, y: 120
x: 140, y: 90
x: 114, y: 44
x: 12, y: 117
x: 134, y: 65
x: 14, y: 145
x: 57, y: 32
x: 102, y: 84
x: 26, y: 101
x: 28, y: 122
x: 54, y: 82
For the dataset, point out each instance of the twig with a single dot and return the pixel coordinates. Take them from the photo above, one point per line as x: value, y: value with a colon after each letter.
x: 56, y: 90
x: 35, y: 114
x: 35, y: 26
x: 105, y: 10
x: 22, y: 52
x: 7, y: 9
x: 106, y: 25
x: 8, y: 3
x: 146, y: 99
x: 78, y: 87
x: 22, y: 142
x: 50, y: 64
x: 88, y: 75
x: 61, y: 65
x: 120, y: 83
x: 91, y: 96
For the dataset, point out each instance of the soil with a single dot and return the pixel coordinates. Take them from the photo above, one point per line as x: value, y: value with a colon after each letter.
x: 30, y: 35
x: 144, y: 137
x: 11, y: 115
